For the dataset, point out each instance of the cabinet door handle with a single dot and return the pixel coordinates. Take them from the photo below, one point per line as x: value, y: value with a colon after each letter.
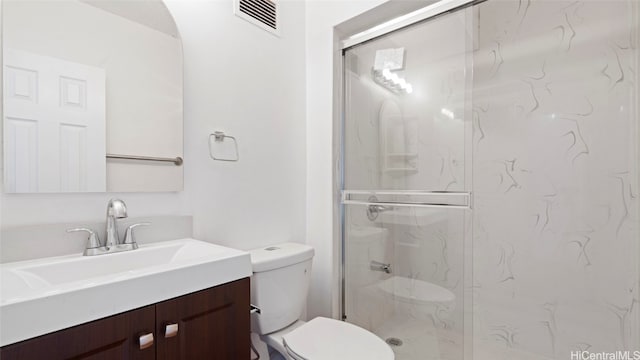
x: 146, y: 341
x: 170, y: 330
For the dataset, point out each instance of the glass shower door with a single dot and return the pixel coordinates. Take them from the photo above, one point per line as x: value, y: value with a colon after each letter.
x: 404, y: 277
x: 406, y: 201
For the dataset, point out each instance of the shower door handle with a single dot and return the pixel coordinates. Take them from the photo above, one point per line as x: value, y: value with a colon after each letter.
x: 383, y: 200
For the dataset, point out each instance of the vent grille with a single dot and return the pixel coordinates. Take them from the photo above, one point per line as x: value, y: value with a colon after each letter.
x: 263, y: 13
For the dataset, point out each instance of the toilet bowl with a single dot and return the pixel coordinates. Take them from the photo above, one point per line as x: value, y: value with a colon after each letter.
x: 279, y: 287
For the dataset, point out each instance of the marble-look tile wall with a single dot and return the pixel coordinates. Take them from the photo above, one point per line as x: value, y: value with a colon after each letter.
x: 556, y: 242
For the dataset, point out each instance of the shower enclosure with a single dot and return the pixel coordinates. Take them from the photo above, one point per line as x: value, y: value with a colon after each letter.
x: 490, y: 182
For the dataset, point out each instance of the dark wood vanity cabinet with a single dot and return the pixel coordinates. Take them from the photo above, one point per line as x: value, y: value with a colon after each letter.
x: 211, y: 324
x: 115, y: 337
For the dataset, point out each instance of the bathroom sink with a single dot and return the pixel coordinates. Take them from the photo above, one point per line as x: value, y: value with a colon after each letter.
x: 68, y: 269
x: 44, y: 295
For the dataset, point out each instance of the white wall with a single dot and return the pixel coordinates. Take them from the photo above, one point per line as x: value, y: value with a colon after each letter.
x: 251, y: 84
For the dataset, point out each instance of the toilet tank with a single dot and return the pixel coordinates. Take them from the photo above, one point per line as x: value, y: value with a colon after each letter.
x: 279, y: 285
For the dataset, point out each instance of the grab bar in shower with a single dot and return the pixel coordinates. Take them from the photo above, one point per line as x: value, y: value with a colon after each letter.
x: 386, y: 198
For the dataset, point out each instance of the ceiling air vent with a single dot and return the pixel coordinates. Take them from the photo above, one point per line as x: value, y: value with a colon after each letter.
x: 263, y: 13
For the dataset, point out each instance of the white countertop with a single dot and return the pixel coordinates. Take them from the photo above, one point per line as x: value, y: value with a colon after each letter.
x: 49, y: 294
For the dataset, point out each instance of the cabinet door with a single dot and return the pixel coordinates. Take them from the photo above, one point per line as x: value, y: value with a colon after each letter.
x: 115, y: 337
x: 211, y: 324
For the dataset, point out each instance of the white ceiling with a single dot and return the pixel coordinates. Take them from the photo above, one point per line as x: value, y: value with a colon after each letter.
x: 150, y: 13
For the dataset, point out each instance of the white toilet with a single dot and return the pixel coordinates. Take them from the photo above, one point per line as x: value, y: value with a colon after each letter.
x: 279, y: 288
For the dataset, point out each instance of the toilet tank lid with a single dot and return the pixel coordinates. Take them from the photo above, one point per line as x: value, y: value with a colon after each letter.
x: 279, y: 255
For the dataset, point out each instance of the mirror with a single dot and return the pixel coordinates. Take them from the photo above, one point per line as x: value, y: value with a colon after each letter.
x: 92, y: 97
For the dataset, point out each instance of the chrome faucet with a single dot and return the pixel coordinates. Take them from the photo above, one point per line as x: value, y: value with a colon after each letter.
x: 116, y: 209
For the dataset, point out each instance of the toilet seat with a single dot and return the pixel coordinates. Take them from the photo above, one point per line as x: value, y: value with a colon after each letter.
x: 329, y: 339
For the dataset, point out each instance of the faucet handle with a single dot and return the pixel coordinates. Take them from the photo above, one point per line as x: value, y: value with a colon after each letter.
x: 128, y: 235
x: 93, y: 241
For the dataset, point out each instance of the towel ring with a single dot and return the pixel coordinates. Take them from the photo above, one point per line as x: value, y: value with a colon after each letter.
x: 219, y: 136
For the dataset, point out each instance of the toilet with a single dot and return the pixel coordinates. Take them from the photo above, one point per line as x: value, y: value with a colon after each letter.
x: 279, y: 287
